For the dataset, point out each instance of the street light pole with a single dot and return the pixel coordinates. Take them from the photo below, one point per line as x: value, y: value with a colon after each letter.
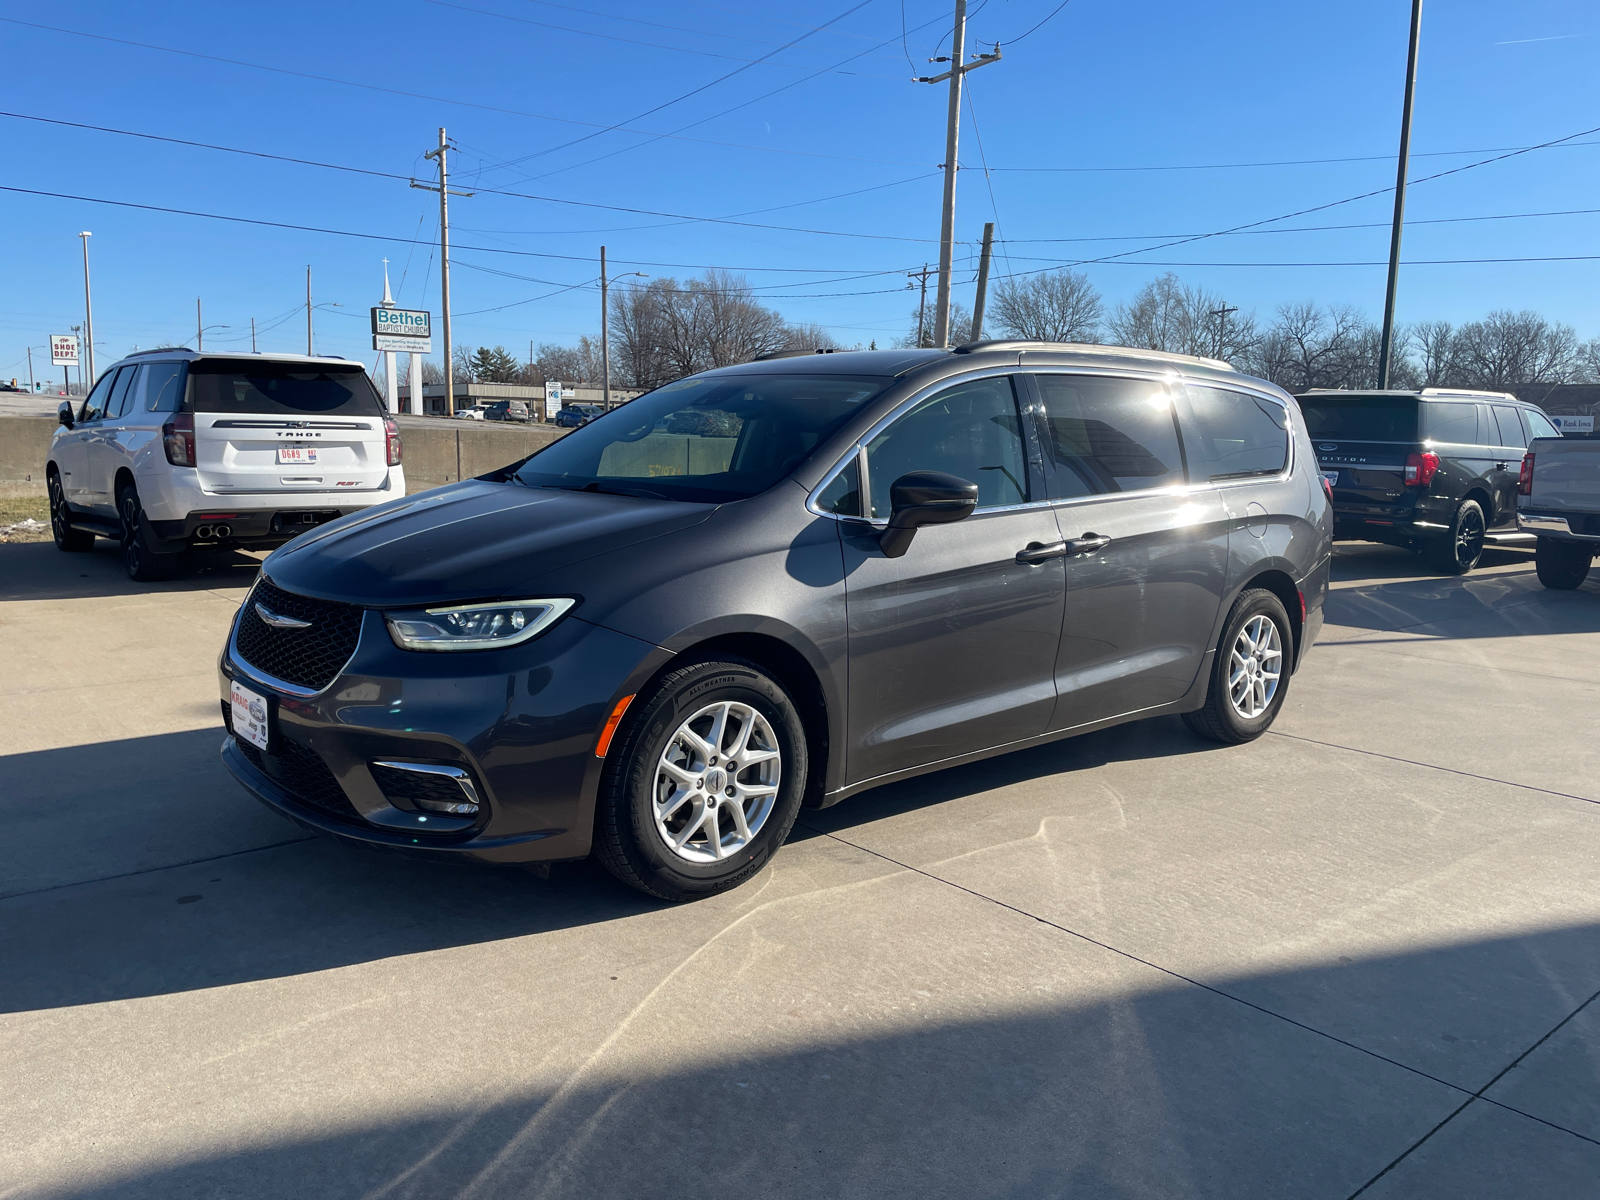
x: 88, y: 306
x: 1386, y: 342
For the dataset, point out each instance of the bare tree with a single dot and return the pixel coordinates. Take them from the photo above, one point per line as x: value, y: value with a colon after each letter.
x: 807, y: 336
x: 1507, y: 350
x: 1056, y: 306
x: 1436, y: 343
x: 666, y: 329
x: 1309, y: 346
x: 960, y: 326
x: 1588, y: 362
x: 1166, y: 315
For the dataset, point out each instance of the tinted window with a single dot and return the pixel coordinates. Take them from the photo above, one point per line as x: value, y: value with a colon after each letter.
x: 1109, y: 435
x: 705, y: 438
x: 843, y: 495
x: 160, y: 387
x: 1540, y: 425
x: 972, y: 430
x: 118, y: 403
x: 1505, y: 418
x: 282, y: 389
x: 1361, y: 418
x: 1450, y: 421
x: 1234, y: 435
x: 94, y: 407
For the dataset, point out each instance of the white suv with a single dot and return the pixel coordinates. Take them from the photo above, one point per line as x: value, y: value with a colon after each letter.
x: 173, y: 449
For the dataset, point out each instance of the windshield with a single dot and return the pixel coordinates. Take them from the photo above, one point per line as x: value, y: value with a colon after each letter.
x: 1361, y: 418
x: 708, y: 438
x: 281, y: 389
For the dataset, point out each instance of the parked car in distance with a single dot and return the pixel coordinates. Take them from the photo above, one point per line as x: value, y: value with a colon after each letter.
x: 173, y: 449
x: 475, y: 413
x: 656, y: 645
x: 1434, y: 471
x: 506, y: 410
x: 574, y: 415
x: 1558, y: 501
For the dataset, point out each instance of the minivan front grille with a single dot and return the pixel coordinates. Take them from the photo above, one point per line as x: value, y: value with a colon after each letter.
x: 309, y: 657
x: 300, y: 771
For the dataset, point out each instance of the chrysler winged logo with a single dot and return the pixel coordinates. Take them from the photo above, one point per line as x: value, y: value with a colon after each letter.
x: 278, y: 620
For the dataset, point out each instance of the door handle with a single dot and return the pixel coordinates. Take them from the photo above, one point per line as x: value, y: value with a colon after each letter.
x: 1038, y: 552
x: 1088, y: 543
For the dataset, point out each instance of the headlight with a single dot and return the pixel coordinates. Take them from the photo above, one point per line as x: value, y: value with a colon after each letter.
x: 474, y: 626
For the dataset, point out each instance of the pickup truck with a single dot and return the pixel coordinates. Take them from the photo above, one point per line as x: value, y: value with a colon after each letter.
x: 1558, y: 501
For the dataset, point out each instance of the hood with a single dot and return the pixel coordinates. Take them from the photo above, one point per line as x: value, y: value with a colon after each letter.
x: 468, y: 541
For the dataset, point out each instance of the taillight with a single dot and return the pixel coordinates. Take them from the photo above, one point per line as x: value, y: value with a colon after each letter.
x: 1421, y: 468
x: 177, y: 435
x: 1525, y: 479
x: 1327, y: 489
x: 391, y: 433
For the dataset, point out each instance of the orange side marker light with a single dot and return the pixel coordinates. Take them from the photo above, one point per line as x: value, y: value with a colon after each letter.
x: 610, y: 730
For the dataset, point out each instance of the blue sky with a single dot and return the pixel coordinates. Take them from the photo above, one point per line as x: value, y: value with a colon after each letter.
x: 1100, y: 85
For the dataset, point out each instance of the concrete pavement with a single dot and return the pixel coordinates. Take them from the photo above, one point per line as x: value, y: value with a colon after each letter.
x: 1356, y: 956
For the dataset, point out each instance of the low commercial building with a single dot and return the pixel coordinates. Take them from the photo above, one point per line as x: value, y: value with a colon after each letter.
x: 540, y: 400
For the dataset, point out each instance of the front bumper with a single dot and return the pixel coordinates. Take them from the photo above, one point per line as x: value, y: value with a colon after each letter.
x: 522, y: 723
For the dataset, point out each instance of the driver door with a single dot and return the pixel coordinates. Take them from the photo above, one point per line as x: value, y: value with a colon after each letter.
x: 952, y: 645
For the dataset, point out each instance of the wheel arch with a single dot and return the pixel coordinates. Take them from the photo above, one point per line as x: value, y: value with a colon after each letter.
x: 1479, y: 491
x: 1281, y: 584
x: 123, y: 478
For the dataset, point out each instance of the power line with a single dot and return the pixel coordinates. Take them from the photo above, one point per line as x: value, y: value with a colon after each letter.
x: 1286, y: 162
x: 389, y: 91
x: 1039, y: 26
x: 732, y: 37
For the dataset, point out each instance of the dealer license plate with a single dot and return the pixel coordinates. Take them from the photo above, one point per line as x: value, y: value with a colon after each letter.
x: 1332, y: 478
x: 298, y: 455
x: 249, y: 716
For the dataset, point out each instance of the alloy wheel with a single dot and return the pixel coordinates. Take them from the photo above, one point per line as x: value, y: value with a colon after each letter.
x: 1255, y: 666
x: 1469, y: 537
x: 717, y: 782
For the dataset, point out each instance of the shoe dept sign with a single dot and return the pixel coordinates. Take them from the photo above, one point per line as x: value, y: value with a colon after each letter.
x: 401, y: 330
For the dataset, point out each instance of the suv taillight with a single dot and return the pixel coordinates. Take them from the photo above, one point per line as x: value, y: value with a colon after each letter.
x: 1421, y: 468
x: 177, y: 435
x: 1525, y: 479
x: 391, y: 435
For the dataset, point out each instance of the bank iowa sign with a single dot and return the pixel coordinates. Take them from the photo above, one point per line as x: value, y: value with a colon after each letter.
x: 401, y: 329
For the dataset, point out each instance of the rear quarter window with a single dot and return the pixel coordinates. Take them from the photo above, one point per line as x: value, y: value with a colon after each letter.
x: 1234, y: 435
x: 1456, y: 422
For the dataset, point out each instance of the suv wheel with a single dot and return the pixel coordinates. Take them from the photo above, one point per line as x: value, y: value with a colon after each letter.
x: 703, y: 781
x: 1561, y: 565
x: 1250, y: 674
x: 67, y: 538
x: 143, y: 565
x: 1460, y: 552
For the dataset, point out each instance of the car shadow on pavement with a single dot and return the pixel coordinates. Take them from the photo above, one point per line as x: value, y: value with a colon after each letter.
x: 38, y: 571
x: 1162, y: 1089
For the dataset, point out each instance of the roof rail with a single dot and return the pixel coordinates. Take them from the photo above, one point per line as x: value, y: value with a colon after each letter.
x: 1474, y: 393
x: 772, y: 354
x: 1023, y: 345
x: 159, y: 350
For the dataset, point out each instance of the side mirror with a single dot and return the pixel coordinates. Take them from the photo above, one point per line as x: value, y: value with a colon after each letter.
x: 921, y: 498
x: 64, y: 413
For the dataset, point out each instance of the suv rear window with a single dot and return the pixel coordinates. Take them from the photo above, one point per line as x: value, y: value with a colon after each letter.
x: 281, y: 389
x: 1361, y: 418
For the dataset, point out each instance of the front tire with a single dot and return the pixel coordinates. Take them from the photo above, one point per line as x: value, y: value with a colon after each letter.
x: 1561, y: 565
x: 1460, y: 552
x: 142, y: 564
x: 702, y: 782
x: 1250, y: 674
x: 67, y: 538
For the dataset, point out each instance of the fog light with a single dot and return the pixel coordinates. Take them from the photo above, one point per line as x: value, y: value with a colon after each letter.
x: 428, y: 787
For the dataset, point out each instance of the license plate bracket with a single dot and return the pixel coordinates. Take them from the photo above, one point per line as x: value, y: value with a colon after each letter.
x: 252, y: 716
x: 298, y: 456
x: 1331, y: 478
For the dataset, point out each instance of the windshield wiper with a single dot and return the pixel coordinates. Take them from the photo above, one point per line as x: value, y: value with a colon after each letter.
x: 594, y: 486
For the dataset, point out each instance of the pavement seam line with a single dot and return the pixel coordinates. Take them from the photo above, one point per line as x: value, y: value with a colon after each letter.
x: 56, y: 887
x: 1216, y: 991
x: 1479, y: 1095
x: 1411, y: 762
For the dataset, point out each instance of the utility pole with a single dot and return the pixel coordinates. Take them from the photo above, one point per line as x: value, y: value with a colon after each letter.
x: 957, y: 72
x: 88, y: 308
x: 199, y: 327
x: 605, y: 341
x: 1386, y: 344
x: 309, y: 343
x: 983, y: 282
x: 922, y: 305
x: 445, y: 193
x: 1222, y: 314
x: 252, y: 335
x: 32, y: 387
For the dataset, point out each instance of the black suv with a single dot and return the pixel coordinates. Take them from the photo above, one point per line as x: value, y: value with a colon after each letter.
x: 1434, y: 471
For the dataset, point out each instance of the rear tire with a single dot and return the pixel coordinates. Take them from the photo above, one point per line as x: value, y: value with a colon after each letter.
x: 1561, y: 565
x: 662, y: 800
x: 1243, y: 699
x: 67, y: 538
x: 1460, y: 551
x: 143, y: 564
